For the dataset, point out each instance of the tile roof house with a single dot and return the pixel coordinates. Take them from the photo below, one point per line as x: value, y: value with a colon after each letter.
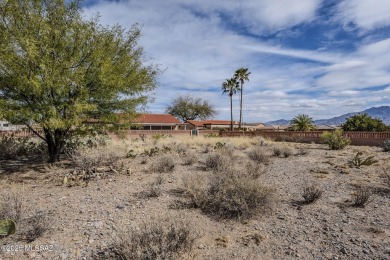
x: 156, y: 122
x: 211, y: 124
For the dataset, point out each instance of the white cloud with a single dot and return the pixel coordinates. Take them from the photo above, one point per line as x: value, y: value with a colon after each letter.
x: 366, y: 14
x: 190, y: 39
x: 367, y: 67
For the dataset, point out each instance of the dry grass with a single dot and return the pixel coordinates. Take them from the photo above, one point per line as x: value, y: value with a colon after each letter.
x: 258, y: 155
x: 287, y: 151
x: 229, y: 196
x: 162, y: 164
x: 154, y: 189
x: 189, y: 158
x: 34, y: 227
x: 362, y: 197
x: 11, y: 205
x: 88, y: 159
x: 311, y: 193
x: 162, y: 239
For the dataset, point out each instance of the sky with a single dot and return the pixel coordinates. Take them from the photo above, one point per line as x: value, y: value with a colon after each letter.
x: 323, y: 58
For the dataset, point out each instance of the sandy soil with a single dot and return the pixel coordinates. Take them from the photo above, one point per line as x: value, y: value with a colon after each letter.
x: 84, y: 219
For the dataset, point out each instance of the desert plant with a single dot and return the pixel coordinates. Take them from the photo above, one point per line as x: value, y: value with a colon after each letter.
x: 335, y: 140
x: 386, y: 145
x: 302, y: 151
x: 11, y: 206
x: 230, y: 196
x: 255, y: 170
x: 162, y: 164
x: 7, y: 227
x: 212, y: 135
x: 155, y: 240
x: 258, y: 155
x: 189, y: 158
x: 181, y: 149
x: 34, y: 227
x: 131, y: 154
x: 151, y: 152
x: 386, y: 177
x: 219, y: 145
x: 362, y: 197
x: 277, y: 151
x: 311, y: 193
x: 158, y: 136
x: 154, y: 189
x: 287, y: 152
x: 217, y: 162
x: 358, y: 161
x: 88, y: 159
x: 12, y: 146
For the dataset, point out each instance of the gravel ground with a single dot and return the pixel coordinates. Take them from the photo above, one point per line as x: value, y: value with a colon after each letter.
x: 83, y: 220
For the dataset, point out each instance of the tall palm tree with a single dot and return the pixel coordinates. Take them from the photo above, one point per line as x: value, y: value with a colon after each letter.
x: 230, y: 87
x: 302, y: 122
x: 241, y: 75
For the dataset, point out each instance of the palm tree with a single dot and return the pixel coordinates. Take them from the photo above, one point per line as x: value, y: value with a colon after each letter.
x: 230, y: 86
x: 241, y: 75
x: 302, y: 122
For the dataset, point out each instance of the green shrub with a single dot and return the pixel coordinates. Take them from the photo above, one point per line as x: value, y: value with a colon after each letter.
x: 335, y: 140
x: 364, y: 122
x: 386, y: 145
x: 358, y: 161
x: 158, y: 136
x: 219, y: 145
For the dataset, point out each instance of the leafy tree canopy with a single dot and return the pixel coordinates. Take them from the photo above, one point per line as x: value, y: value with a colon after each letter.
x: 187, y: 107
x: 364, y: 122
x: 58, y: 69
x: 302, y: 122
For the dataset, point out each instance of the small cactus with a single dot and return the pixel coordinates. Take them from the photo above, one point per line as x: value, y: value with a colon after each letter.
x: 7, y: 227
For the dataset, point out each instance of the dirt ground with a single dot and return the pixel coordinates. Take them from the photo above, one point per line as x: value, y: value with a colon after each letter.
x: 82, y: 218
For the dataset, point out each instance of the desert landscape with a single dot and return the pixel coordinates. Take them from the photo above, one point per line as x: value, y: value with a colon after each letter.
x: 182, y: 197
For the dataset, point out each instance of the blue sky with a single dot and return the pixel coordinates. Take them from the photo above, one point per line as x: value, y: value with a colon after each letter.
x: 323, y: 58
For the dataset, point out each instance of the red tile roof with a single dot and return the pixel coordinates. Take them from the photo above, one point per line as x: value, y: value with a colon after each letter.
x: 195, y: 122
x: 219, y: 122
x: 156, y: 119
x: 210, y: 122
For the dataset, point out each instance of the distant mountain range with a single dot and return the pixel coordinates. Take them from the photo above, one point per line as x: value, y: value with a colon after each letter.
x: 383, y: 113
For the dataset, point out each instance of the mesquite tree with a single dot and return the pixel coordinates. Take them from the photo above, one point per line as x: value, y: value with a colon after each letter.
x: 57, y: 69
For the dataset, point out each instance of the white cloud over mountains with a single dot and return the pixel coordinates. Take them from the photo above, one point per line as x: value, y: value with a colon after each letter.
x: 201, y: 43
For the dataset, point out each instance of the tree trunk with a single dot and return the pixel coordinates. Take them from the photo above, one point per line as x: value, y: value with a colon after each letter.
x: 231, y: 113
x: 54, y: 143
x: 239, y: 124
